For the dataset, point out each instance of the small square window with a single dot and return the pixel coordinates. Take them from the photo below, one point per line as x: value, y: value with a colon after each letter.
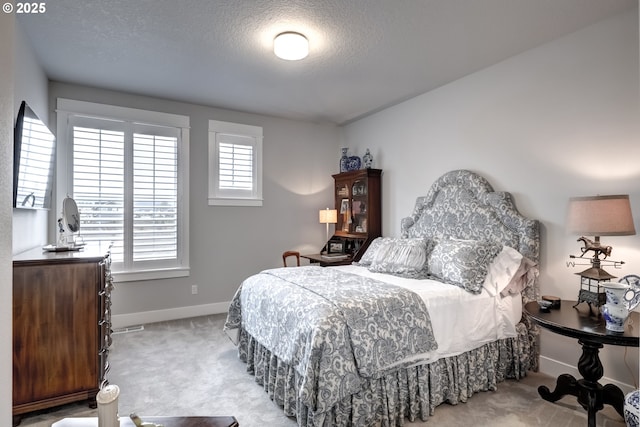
x: 235, y: 164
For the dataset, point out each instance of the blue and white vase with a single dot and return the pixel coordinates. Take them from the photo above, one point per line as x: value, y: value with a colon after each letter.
x: 632, y: 409
x: 344, y: 160
x: 367, y: 159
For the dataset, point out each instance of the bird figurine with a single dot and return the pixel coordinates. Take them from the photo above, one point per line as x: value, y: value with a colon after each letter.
x: 139, y: 423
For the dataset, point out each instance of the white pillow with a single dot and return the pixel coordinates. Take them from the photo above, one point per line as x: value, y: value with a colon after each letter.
x: 509, y: 273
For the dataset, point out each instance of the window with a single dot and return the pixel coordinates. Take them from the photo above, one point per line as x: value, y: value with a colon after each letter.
x: 235, y: 164
x: 127, y: 170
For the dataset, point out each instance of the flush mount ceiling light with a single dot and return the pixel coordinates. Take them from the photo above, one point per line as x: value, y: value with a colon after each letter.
x: 291, y: 46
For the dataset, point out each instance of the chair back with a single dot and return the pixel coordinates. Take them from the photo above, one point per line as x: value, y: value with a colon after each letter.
x: 288, y: 254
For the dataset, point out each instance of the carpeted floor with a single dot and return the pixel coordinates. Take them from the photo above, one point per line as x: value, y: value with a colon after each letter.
x: 190, y: 367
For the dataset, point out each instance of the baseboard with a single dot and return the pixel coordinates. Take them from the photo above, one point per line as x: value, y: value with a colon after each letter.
x: 126, y: 320
x: 554, y: 368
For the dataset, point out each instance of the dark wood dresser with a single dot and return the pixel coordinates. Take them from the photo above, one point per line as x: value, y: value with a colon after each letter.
x: 61, y: 327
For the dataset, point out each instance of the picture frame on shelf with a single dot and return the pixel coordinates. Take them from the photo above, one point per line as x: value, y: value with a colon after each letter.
x: 344, y: 206
x: 336, y: 246
x: 345, y: 213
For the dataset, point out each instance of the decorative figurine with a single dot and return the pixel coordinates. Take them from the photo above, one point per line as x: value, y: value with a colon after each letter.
x: 344, y: 160
x: 139, y: 423
x: 367, y: 159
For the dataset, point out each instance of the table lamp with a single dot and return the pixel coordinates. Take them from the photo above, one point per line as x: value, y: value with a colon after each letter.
x: 598, y: 216
x: 328, y: 216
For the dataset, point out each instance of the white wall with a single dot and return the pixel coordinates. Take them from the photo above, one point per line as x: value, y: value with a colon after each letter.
x: 30, y: 84
x: 7, y: 25
x: 227, y: 244
x: 557, y: 121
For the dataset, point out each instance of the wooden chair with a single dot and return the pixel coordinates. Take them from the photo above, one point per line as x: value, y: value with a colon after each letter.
x: 288, y: 254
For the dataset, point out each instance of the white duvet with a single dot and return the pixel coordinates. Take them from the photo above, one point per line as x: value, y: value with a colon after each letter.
x: 461, y: 321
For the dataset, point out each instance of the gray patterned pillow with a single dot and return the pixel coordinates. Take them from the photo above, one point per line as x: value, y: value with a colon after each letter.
x: 402, y: 257
x: 463, y: 263
x: 370, y: 253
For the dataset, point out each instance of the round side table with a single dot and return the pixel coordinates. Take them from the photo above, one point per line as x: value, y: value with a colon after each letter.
x: 578, y: 322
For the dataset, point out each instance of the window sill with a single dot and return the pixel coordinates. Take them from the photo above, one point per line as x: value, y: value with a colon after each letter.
x: 132, y: 276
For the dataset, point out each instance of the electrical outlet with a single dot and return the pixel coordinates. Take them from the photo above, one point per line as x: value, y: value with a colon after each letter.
x: 194, y: 289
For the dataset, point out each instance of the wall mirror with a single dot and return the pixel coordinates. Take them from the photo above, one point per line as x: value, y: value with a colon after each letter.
x: 33, y: 160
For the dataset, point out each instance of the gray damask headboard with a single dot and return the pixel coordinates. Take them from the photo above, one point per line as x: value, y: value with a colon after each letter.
x: 462, y: 205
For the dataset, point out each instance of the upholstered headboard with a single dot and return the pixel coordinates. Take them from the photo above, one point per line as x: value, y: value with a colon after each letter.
x: 462, y: 204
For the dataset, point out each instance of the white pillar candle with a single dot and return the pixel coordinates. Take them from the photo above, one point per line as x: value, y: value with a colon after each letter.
x: 107, y: 399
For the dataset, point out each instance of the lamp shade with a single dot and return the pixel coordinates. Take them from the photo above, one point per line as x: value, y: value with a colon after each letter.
x: 600, y: 216
x: 328, y: 216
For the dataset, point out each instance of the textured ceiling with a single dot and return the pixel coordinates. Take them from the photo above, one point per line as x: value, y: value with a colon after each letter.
x: 365, y: 55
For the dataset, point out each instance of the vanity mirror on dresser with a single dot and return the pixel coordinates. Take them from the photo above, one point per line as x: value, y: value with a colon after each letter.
x: 61, y: 327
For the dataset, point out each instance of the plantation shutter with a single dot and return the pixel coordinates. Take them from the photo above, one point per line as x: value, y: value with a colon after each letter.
x: 132, y: 203
x: 98, y: 184
x: 155, y: 197
x: 235, y: 163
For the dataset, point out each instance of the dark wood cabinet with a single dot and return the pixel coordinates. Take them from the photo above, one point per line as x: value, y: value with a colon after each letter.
x: 359, y: 206
x: 61, y: 328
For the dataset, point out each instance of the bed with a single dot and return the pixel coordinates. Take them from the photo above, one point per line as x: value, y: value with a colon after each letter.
x: 430, y: 317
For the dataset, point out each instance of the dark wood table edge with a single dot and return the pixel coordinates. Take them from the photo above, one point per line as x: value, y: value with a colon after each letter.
x: 189, y: 421
x: 166, y: 421
x: 325, y: 262
x: 532, y: 309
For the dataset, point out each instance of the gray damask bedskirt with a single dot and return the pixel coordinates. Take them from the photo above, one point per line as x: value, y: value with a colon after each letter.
x: 406, y: 393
